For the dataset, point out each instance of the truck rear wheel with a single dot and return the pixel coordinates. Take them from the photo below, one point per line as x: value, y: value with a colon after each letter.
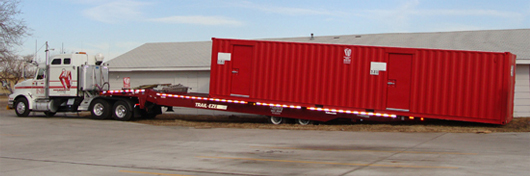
x: 122, y: 110
x: 100, y: 109
x: 22, y: 107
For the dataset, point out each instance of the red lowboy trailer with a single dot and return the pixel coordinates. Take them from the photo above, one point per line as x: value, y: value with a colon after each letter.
x: 321, y: 82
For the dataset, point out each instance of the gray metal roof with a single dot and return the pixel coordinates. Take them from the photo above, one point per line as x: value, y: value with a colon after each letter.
x: 165, y: 56
x: 516, y: 41
x: 196, y: 55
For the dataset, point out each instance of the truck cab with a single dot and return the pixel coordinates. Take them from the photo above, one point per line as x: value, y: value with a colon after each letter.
x: 72, y: 78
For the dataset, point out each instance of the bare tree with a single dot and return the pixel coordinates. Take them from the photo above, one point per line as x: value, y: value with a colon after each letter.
x: 15, y: 70
x: 12, y: 28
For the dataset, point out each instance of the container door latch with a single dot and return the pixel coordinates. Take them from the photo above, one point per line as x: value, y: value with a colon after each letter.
x: 391, y: 82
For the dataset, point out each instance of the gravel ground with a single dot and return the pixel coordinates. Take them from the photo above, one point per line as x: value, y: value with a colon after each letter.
x: 516, y: 125
x: 258, y: 122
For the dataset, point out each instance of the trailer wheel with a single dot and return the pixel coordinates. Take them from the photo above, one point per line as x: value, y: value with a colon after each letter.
x: 100, y: 109
x: 276, y: 120
x: 22, y: 107
x: 122, y: 110
x: 304, y: 122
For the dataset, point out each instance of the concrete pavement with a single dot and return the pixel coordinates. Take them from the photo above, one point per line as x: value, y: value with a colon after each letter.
x: 77, y: 146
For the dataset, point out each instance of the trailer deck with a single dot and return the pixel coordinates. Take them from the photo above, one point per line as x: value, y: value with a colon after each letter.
x: 205, y: 101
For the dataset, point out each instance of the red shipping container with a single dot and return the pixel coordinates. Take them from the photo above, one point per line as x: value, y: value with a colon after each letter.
x: 471, y: 86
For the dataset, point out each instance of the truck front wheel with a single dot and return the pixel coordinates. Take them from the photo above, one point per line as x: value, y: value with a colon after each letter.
x: 22, y: 107
x: 122, y: 110
x: 100, y: 109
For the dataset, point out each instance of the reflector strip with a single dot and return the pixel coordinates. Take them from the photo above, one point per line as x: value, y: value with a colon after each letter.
x: 163, y: 95
x: 135, y: 91
x: 278, y: 105
x: 352, y: 112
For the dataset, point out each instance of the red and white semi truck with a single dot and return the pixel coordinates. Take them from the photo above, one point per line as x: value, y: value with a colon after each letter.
x: 303, y: 81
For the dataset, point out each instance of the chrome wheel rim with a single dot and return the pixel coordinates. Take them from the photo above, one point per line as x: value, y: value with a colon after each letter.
x: 304, y: 122
x: 120, y: 111
x: 98, y: 109
x: 21, y: 107
x: 276, y: 120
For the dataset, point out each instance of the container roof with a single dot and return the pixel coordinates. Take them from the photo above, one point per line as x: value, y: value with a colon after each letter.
x: 196, y: 55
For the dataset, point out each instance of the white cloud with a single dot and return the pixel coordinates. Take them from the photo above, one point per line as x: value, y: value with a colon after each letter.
x: 116, y: 11
x: 469, y: 12
x: 285, y: 10
x: 109, y: 50
x: 399, y: 18
x: 130, y: 10
x: 201, y: 20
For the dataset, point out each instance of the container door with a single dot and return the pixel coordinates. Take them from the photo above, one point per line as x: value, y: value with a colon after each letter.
x: 241, y: 62
x: 399, y: 74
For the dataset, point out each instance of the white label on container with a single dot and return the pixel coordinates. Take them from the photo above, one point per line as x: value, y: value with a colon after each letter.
x: 375, y: 67
x: 222, y: 57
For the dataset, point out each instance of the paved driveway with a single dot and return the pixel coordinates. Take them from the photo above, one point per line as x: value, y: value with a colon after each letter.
x: 77, y: 146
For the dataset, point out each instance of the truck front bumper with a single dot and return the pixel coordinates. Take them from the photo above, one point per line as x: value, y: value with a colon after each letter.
x: 10, y: 104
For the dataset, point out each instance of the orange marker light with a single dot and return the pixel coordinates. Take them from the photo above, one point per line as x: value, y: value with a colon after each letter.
x: 411, y: 118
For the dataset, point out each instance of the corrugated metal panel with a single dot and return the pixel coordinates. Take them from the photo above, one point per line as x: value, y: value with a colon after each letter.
x: 447, y: 84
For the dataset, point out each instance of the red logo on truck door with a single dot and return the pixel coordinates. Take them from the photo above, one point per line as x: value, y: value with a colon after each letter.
x: 66, y: 79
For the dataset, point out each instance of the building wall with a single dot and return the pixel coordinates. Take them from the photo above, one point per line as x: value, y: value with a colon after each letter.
x: 522, y: 91
x: 198, y: 81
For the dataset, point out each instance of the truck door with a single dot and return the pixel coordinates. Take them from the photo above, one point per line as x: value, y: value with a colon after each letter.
x: 63, y: 77
x: 241, y: 62
x: 399, y: 74
x: 37, y: 86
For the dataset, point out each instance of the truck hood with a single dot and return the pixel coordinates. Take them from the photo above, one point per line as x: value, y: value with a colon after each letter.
x: 24, y: 83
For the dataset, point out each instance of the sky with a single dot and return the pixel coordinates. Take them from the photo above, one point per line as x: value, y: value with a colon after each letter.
x: 114, y: 27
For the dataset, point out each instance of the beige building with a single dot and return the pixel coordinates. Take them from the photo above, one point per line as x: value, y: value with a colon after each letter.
x: 188, y: 63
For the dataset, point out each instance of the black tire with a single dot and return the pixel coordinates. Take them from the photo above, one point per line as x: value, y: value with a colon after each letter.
x: 49, y: 114
x: 146, y: 115
x: 122, y: 110
x: 276, y: 120
x: 150, y: 112
x: 304, y: 122
x: 100, y: 109
x: 22, y: 107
